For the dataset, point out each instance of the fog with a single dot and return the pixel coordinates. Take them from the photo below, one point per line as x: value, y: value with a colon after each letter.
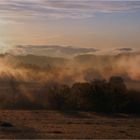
x: 81, y: 68
x: 23, y: 80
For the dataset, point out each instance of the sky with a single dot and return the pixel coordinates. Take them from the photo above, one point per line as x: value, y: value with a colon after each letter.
x: 67, y: 27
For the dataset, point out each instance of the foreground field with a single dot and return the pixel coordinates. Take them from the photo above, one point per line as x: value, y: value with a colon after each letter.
x: 52, y: 124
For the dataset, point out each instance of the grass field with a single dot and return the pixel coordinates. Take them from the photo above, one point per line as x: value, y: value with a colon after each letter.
x: 68, y: 125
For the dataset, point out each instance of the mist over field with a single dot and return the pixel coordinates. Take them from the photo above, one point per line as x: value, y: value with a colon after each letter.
x: 69, y: 69
x: 81, y: 68
x: 24, y: 78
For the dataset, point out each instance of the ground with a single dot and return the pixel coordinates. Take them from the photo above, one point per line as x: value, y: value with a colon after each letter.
x: 68, y: 125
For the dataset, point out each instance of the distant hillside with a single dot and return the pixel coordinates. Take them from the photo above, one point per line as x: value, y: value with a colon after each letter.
x: 41, y: 61
x: 104, y: 59
x: 90, y: 57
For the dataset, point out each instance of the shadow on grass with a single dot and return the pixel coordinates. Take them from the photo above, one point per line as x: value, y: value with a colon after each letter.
x: 19, y: 132
x: 75, y: 114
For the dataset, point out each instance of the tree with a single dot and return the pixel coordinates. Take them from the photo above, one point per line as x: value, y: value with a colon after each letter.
x: 117, y: 93
x: 81, y: 96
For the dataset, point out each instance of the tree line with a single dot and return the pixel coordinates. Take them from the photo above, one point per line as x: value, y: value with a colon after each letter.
x: 97, y: 95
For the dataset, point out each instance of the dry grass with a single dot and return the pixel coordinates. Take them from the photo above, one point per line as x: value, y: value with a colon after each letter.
x: 83, y: 125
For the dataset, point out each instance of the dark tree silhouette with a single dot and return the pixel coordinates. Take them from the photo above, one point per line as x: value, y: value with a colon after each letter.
x: 98, y: 95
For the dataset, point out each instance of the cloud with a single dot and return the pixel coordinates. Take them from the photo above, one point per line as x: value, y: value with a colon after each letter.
x: 19, y: 10
x: 51, y: 50
x: 125, y: 49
